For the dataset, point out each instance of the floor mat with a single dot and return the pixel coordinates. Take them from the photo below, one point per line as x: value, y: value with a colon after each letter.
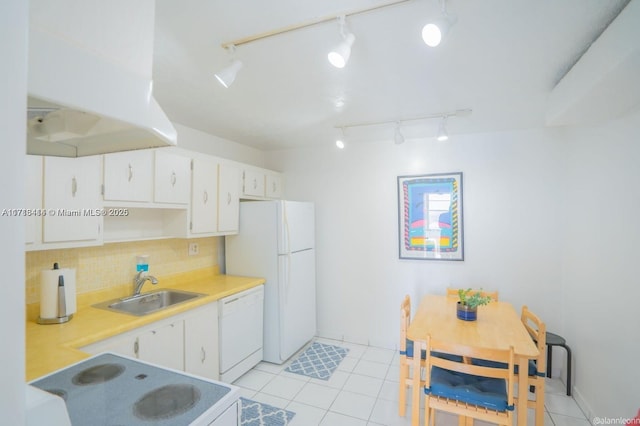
x: 255, y: 413
x: 318, y: 361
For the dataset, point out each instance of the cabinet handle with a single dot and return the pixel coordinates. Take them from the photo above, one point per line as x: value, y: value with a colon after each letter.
x: 255, y: 183
x: 136, y: 347
x: 273, y: 185
x: 228, y: 198
x: 205, y: 197
x: 130, y: 173
x: 173, y: 178
x: 204, y: 354
x: 74, y: 186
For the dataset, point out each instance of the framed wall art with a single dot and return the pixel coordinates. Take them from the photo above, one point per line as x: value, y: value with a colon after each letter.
x: 430, y: 217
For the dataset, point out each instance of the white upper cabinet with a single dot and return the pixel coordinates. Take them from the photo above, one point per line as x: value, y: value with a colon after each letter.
x: 273, y: 186
x: 204, y: 196
x: 253, y: 183
x: 260, y: 184
x: 228, y: 198
x: 172, y: 178
x: 72, y: 199
x: 33, y: 200
x: 128, y: 176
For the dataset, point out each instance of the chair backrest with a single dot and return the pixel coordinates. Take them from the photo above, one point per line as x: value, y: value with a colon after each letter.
x: 405, y: 318
x: 453, y: 292
x: 538, y: 332
x: 494, y: 369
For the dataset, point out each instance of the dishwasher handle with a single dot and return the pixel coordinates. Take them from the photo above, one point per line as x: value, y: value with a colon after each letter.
x: 231, y: 304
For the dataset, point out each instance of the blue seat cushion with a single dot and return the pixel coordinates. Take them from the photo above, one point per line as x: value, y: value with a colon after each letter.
x: 423, y: 353
x: 533, y: 368
x: 481, y: 391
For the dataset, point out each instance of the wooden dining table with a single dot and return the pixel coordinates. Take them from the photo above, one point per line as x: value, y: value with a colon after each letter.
x: 498, y: 327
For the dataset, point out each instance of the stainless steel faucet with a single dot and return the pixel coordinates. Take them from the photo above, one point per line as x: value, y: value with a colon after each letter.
x: 139, y: 281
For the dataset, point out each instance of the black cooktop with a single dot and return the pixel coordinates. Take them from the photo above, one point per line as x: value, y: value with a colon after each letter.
x: 111, y: 390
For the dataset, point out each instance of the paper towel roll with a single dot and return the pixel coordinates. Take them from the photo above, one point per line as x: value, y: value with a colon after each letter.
x: 49, y: 292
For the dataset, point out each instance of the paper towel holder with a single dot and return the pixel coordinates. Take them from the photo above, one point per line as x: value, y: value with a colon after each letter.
x: 62, y: 304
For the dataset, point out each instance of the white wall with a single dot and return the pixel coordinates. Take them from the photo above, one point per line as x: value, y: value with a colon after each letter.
x: 195, y: 140
x: 13, y: 106
x: 601, y: 290
x: 513, y: 192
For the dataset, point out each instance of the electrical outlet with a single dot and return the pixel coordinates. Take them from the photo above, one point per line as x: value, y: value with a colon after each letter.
x: 193, y: 249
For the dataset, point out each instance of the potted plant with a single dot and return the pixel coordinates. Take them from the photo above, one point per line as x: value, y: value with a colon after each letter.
x: 468, y: 303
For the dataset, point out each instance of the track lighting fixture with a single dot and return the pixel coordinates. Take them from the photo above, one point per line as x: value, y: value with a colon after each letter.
x: 398, y: 138
x: 339, y: 56
x: 434, y: 32
x: 442, y: 130
x: 340, y: 139
x: 227, y: 75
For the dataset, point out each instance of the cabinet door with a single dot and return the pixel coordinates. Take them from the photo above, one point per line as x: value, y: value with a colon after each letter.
x: 253, y: 183
x: 228, y: 198
x: 172, y: 178
x: 201, y: 342
x: 163, y: 345
x: 125, y: 344
x: 71, y: 199
x: 33, y: 199
x: 128, y: 176
x: 273, y: 187
x: 204, y: 196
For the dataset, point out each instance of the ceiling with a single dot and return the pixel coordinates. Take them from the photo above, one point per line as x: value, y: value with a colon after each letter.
x: 501, y: 59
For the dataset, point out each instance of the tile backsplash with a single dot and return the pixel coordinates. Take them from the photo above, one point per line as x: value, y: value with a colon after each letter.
x: 114, y: 264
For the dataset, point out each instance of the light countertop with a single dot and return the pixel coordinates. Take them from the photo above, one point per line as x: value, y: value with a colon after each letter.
x: 51, y: 347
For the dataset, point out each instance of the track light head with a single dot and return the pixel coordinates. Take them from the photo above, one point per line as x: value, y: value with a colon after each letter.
x: 434, y: 32
x: 339, y: 56
x: 442, y: 130
x: 227, y: 75
x: 340, y: 139
x: 398, y: 138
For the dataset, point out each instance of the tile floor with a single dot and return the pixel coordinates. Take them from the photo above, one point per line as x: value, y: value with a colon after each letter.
x: 363, y: 391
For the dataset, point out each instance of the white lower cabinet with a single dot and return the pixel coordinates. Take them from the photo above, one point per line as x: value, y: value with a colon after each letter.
x: 163, y: 345
x: 124, y: 344
x: 186, y: 342
x: 201, y: 342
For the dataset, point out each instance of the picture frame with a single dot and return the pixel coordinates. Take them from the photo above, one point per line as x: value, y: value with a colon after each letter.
x: 430, y: 217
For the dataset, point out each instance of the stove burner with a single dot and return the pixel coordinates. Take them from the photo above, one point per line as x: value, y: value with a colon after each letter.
x: 59, y: 392
x: 97, y: 374
x: 166, y: 402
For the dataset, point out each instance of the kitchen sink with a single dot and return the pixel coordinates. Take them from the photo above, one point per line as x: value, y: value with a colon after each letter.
x: 148, y: 303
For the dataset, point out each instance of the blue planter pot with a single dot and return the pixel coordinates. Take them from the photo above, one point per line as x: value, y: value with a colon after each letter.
x: 466, y: 313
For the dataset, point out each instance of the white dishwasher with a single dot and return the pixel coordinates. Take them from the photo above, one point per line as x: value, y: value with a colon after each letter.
x: 240, y: 332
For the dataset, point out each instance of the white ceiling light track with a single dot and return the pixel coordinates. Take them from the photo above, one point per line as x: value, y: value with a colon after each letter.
x: 338, y: 57
x: 398, y: 138
x: 294, y: 27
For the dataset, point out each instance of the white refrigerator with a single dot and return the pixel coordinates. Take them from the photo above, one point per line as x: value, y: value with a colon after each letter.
x: 277, y: 242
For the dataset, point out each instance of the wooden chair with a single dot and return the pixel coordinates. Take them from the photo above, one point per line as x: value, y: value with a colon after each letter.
x: 453, y: 292
x: 406, y: 356
x: 537, y: 330
x: 468, y: 390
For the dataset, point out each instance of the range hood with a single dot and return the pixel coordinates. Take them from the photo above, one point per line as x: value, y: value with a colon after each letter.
x: 81, y: 103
